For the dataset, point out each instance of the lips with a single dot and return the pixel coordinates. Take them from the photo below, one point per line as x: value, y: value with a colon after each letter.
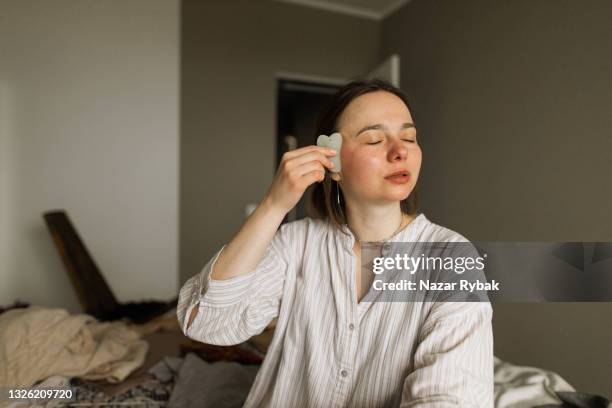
x: 399, y: 173
x: 399, y: 177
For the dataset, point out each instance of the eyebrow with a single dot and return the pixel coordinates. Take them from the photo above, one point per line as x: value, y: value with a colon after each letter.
x: 378, y: 126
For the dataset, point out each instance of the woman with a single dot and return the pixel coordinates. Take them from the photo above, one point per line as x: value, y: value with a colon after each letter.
x: 330, y: 348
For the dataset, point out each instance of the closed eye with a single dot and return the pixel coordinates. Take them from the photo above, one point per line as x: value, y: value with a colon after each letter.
x: 405, y: 140
x: 380, y: 141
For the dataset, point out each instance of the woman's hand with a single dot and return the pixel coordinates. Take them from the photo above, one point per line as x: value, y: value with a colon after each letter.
x: 298, y: 169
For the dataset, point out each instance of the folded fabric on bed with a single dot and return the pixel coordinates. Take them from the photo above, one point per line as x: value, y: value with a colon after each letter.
x: 520, y: 386
x: 580, y: 400
x: 37, y: 343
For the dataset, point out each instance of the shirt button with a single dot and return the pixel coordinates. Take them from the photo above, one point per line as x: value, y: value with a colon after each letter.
x: 351, y: 326
x: 344, y: 373
x: 385, y: 249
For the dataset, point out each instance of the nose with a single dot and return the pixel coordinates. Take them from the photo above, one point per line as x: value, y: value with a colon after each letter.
x: 397, y: 150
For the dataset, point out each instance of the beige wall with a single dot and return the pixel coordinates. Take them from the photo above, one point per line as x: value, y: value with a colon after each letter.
x: 512, y: 102
x: 230, y: 53
x: 89, y: 123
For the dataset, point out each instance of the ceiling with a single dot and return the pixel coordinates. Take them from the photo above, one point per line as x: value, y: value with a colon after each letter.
x: 371, y: 9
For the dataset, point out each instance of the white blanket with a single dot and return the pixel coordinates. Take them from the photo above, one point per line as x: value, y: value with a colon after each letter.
x: 37, y: 343
x: 526, y: 387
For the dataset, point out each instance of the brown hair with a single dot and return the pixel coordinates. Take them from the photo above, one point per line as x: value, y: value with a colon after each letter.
x: 324, y: 195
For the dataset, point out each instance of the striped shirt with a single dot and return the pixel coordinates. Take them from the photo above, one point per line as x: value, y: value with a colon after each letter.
x: 328, y: 350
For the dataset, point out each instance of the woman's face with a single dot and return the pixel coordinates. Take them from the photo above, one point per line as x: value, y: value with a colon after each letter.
x: 378, y: 139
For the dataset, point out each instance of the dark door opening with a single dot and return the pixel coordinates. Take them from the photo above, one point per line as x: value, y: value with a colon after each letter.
x: 298, y: 106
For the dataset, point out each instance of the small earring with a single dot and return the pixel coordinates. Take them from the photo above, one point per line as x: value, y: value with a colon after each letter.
x: 338, y: 193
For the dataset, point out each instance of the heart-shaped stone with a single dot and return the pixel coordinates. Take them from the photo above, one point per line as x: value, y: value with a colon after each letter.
x: 334, y: 141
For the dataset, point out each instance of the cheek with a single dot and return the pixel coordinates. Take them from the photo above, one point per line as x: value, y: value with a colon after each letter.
x: 360, y: 163
x: 417, y: 158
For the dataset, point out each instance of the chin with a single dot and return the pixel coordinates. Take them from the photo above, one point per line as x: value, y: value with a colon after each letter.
x: 385, y: 195
x: 395, y: 197
x: 399, y: 193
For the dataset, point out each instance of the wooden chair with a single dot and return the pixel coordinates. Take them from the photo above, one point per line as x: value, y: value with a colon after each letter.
x: 94, y: 294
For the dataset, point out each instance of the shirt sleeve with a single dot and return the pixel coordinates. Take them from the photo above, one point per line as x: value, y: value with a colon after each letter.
x: 453, y: 362
x: 233, y: 310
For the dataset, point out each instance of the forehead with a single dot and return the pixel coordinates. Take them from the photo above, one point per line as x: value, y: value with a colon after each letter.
x: 374, y: 106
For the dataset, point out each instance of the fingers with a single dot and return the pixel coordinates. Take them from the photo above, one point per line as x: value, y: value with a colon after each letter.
x: 298, y: 180
x: 312, y: 156
x: 313, y: 176
x: 307, y: 149
x: 309, y: 167
x: 305, y: 166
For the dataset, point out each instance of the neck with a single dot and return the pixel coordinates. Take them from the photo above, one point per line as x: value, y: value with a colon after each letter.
x: 376, y: 223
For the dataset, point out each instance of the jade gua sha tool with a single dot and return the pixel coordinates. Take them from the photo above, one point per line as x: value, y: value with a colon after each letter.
x: 334, y: 141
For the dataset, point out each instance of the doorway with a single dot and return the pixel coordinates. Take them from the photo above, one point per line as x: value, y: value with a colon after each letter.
x: 298, y: 105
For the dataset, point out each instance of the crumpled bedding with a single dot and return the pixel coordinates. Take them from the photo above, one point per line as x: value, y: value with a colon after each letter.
x: 199, y: 384
x: 520, y: 386
x: 528, y: 387
x: 37, y: 343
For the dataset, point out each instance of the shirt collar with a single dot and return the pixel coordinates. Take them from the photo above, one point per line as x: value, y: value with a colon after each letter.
x: 408, y: 232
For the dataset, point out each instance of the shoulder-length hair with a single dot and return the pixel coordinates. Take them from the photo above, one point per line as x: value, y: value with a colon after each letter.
x: 324, y: 198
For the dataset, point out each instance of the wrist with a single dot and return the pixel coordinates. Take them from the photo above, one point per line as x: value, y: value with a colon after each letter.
x: 268, y: 207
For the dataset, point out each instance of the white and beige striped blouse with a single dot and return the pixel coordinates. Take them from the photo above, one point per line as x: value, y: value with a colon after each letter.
x: 330, y: 351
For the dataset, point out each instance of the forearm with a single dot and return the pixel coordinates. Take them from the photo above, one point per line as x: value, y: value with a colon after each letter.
x: 453, y: 363
x: 246, y: 249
